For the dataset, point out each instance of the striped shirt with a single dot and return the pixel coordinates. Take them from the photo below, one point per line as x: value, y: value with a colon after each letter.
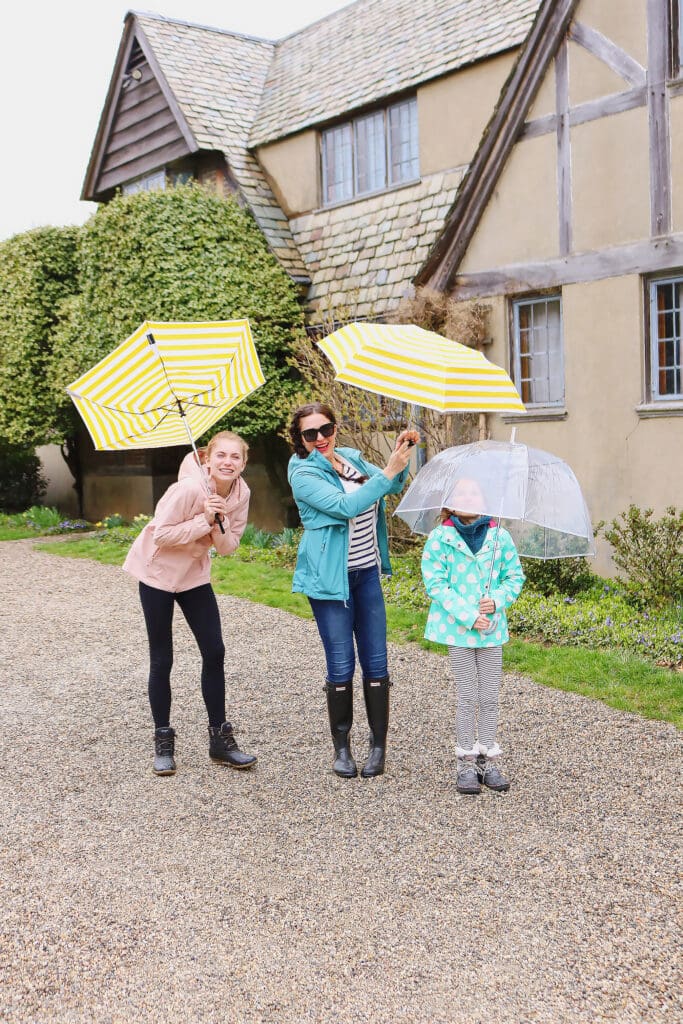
x: 363, y: 548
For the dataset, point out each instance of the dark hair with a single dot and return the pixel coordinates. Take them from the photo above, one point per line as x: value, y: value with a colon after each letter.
x: 298, y: 415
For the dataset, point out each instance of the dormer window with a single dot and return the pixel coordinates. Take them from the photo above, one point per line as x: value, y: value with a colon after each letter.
x: 370, y: 153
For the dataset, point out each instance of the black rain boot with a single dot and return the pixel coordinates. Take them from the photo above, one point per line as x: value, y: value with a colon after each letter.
x: 223, y: 748
x: 164, y: 749
x: 376, y: 693
x: 340, y: 712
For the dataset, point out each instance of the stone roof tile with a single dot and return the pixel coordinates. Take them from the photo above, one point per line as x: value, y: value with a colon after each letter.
x: 336, y: 64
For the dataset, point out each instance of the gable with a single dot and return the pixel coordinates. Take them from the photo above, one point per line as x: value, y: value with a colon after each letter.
x: 142, y: 132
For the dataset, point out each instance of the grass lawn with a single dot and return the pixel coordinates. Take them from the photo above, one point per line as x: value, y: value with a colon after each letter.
x: 620, y: 680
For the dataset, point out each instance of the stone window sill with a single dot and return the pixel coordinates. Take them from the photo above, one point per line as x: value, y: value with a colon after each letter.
x: 537, y: 416
x: 653, y: 410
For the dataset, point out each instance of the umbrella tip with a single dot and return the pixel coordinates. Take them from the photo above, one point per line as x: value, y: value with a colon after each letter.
x: 150, y: 338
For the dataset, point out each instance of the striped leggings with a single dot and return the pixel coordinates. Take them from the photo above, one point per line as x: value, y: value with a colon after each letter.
x: 477, y: 672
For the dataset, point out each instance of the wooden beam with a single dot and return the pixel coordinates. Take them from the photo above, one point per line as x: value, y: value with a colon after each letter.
x: 646, y: 257
x: 609, y: 53
x: 658, y: 117
x: 498, y: 139
x: 564, y: 178
x: 147, y: 144
x: 123, y: 144
x: 592, y: 110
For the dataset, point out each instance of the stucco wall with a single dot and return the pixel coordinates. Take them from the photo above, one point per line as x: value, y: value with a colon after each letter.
x: 453, y: 111
x: 622, y: 21
x: 60, y: 491
x: 521, y: 220
x: 610, y: 180
x: 590, y: 78
x: 293, y: 169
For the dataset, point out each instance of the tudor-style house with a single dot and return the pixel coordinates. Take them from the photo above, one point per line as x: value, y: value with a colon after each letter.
x: 518, y: 152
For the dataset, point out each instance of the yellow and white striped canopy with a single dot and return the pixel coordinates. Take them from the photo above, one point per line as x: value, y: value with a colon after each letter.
x: 167, y: 383
x: 410, y: 364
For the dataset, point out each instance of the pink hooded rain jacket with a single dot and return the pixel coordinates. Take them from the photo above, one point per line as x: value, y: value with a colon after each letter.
x: 172, y: 552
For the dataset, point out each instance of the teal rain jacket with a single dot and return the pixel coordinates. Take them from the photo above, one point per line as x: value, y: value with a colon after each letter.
x: 325, y: 509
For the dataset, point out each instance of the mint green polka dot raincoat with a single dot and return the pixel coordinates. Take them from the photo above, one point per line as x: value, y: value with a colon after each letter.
x: 456, y: 579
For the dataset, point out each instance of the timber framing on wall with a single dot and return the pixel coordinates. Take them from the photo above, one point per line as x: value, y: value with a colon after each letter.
x: 500, y: 135
x: 645, y: 87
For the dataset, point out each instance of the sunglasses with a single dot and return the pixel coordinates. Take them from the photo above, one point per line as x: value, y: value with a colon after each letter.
x: 310, y: 435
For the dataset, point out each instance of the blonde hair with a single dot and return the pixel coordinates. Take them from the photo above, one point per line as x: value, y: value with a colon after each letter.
x: 225, y: 435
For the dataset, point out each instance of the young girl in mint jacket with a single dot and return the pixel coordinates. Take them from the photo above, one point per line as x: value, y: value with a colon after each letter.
x: 469, y: 617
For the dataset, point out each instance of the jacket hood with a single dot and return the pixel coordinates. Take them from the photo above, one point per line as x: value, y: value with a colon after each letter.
x: 189, y: 468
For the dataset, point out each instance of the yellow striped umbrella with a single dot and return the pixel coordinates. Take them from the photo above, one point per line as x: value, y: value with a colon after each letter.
x: 410, y: 364
x: 167, y: 383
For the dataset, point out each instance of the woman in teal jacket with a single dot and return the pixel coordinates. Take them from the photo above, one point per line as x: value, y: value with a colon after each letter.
x: 339, y: 496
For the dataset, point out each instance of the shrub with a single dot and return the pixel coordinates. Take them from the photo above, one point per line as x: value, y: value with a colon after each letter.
x: 650, y: 553
x: 42, y: 517
x: 21, y: 480
x: 567, y: 576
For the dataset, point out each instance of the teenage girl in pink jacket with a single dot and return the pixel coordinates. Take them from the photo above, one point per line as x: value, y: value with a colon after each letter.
x: 171, y: 560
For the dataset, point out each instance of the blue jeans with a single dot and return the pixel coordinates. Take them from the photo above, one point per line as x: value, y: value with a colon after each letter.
x: 362, y: 616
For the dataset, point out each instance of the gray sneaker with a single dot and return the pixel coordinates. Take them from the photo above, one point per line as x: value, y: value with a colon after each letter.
x: 490, y: 775
x: 468, y: 778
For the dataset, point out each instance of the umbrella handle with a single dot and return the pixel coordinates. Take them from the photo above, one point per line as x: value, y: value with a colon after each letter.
x: 217, y: 519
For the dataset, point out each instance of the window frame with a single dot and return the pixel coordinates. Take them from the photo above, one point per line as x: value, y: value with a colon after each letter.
x: 516, y: 303
x: 146, y: 182
x: 391, y: 178
x: 653, y: 368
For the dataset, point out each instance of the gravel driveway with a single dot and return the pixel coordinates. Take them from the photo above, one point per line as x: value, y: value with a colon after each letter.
x: 289, y: 896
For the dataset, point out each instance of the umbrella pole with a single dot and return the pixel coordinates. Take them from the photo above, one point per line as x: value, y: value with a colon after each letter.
x: 513, y: 434
x: 198, y: 460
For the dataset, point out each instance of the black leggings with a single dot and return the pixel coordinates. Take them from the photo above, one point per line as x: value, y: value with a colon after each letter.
x: 200, y: 608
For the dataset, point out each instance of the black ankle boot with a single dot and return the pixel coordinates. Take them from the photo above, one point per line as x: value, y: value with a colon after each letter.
x: 376, y: 693
x: 223, y: 748
x: 164, y: 749
x: 340, y: 712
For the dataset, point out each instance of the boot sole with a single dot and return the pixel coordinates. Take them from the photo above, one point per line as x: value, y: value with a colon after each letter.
x: 165, y: 771
x: 497, y: 789
x: 237, y: 767
x: 468, y: 792
x: 346, y: 775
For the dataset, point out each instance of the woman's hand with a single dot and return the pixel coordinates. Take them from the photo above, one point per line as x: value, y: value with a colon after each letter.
x: 398, y: 460
x: 407, y: 435
x: 487, y: 605
x: 214, y: 506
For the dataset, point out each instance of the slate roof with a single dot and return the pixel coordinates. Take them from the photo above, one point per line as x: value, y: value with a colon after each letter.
x: 217, y: 79
x: 236, y: 92
x: 374, y: 48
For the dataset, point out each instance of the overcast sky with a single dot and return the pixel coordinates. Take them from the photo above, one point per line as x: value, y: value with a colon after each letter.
x: 56, y: 59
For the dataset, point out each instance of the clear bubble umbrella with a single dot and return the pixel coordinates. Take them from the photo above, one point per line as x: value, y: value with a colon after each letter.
x: 533, y: 493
